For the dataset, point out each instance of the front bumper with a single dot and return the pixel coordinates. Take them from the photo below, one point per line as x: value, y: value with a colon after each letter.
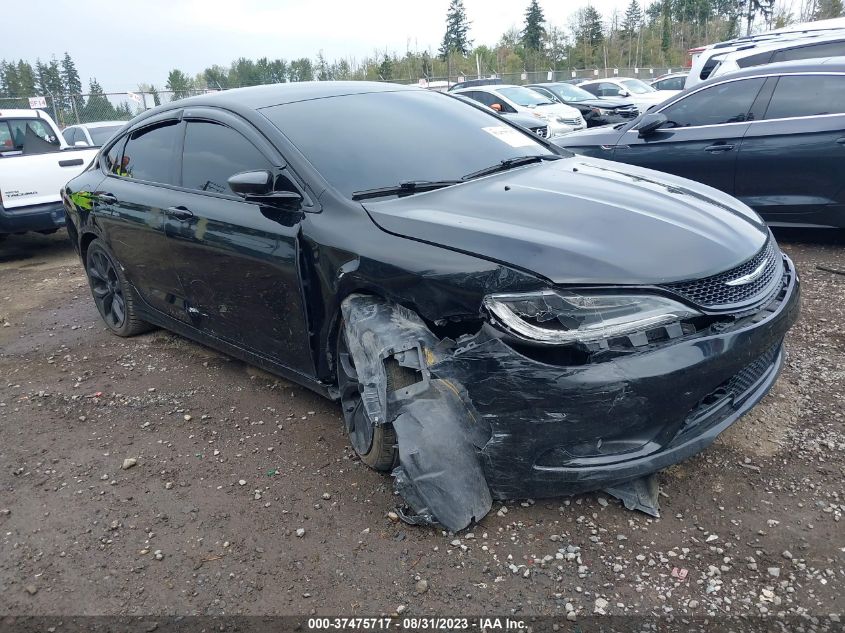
x: 567, y: 429
x: 39, y: 217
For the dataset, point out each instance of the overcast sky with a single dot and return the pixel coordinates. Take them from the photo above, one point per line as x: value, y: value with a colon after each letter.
x: 125, y: 43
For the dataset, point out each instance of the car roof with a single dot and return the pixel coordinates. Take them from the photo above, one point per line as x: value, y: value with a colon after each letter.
x: 829, y: 64
x: 19, y: 112
x: 257, y: 97
x: 611, y: 79
x: 774, y: 45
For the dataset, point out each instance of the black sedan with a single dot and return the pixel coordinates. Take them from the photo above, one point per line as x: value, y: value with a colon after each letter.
x: 596, y: 111
x: 498, y: 320
x: 773, y: 136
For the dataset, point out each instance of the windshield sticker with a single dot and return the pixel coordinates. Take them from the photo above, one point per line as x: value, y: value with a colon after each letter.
x: 510, y: 136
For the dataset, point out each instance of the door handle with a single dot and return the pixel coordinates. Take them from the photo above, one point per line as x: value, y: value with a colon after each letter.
x: 73, y: 162
x: 180, y: 212
x: 718, y: 147
x: 107, y: 198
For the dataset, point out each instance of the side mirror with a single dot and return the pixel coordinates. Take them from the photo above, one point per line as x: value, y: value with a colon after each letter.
x: 497, y: 107
x: 252, y: 183
x: 80, y: 144
x: 650, y: 122
x: 623, y: 93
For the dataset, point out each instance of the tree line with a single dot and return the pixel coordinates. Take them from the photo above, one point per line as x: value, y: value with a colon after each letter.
x: 658, y: 33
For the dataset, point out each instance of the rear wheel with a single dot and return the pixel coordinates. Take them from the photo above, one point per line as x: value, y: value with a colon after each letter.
x: 374, y: 444
x: 112, y: 293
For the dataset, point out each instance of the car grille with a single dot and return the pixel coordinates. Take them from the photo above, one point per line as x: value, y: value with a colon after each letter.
x: 572, y: 122
x: 751, y: 373
x: 542, y: 131
x: 629, y: 112
x: 713, y: 292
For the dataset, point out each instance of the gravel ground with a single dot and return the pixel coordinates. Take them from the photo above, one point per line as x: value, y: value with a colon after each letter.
x: 156, y: 476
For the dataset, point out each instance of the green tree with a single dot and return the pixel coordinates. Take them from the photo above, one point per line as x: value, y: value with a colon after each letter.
x: 323, y: 70
x: 216, y: 77
x: 828, y: 9
x: 456, y: 39
x: 633, y: 19
x: 179, y: 83
x: 98, y: 107
x: 301, y: 70
x: 533, y: 33
x: 26, y: 79
x: 155, y: 96
x: 666, y: 29
x: 72, y: 84
x: 385, y: 69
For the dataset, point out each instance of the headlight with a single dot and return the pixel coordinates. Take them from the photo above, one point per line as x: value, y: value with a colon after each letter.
x: 557, y: 318
x: 601, y: 111
x: 545, y: 117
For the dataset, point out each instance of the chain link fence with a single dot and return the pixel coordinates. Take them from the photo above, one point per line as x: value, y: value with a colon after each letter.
x: 121, y: 106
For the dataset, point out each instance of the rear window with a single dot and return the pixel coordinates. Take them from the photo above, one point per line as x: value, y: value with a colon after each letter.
x: 524, y: 96
x: 102, y: 134
x: 808, y: 95
x: 15, y: 134
x: 381, y: 139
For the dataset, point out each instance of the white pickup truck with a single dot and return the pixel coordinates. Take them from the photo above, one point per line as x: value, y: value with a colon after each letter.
x: 35, y: 163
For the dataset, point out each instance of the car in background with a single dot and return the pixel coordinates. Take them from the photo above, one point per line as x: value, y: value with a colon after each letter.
x: 772, y: 136
x: 470, y: 83
x: 35, y: 163
x: 94, y: 134
x: 817, y: 46
x: 670, y: 81
x: 595, y: 111
x: 627, y: 89
x: 511, y: 99
x: 708, y: 58
x: 495, y: 320
x: 530, y: 123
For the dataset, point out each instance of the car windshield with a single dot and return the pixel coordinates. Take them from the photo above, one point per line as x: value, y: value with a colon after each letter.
x: 524, y: 96
x: 636, y: 86
x: 101, y: 134
x: 570, y: 93
x: 381, y: 139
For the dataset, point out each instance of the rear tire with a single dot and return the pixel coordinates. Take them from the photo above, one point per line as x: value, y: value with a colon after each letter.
x: 376, y: 445
x: 113, y: 295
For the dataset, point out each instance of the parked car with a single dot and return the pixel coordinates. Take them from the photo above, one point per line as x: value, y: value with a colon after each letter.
x: 93, y: 134
x: 670, y: 81
x: 35, y: 163
x: 485, y: 315
x: 530, y: 123
x: 595, y: 111
x: 627, y: 89
x: 508, y: 99
x: 470, y: 83
x: 820, y: 45
x: 772, y: 136
x: 706, y: 60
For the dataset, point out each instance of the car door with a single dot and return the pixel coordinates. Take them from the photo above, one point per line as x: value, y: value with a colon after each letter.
x: 791, y: 164
x: 702, y: 135
x: 131, y: 204
x: 237, y: 261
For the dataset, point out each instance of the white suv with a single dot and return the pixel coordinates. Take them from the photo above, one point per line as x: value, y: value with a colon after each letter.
x: 510, y: 99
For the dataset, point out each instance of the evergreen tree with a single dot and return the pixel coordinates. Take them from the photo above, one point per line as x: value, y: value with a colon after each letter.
x: 72, y: 84
x: 828, y: 9
x: 155, y: 96
x: 456, y: 38
x: 385, y: 69
x: 301, y: 69
x: 98, y: 107
x: 426, y: 65
x: 216, y: 77
x: 666, y: 29
x: 592, y: 28
x: 179, y: 83
x: 26, y: 79
x: 532, y: 35
x: 633, y: 19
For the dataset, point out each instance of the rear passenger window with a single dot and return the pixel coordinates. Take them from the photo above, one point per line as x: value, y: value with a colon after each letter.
x: 69, y: 133
x: 807, y: 95
x: 148, y: 154
x: 724, y: 103
x: 213, y: 153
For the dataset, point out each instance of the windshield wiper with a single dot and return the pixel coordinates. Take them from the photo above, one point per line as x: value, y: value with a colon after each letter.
x: 510, y: 163
x: 405, y: 188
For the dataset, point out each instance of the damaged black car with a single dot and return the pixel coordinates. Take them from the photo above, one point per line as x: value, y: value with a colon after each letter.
x: 498, y: 318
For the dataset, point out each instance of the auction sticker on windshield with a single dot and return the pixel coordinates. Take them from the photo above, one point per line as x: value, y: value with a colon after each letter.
x: 510, y: 136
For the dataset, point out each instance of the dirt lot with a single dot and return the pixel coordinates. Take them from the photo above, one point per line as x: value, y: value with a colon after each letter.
x: 232, y: 462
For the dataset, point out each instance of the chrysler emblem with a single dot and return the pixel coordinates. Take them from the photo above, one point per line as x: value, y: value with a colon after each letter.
x: 747, y: 279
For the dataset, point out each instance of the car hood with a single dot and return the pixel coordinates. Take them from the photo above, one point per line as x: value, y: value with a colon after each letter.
x: 560, y: 109
x: 584, y: 221
x: 590, y: 137
x: 604, y: 103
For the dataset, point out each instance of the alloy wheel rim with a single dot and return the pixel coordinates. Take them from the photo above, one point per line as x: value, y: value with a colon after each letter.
x: 107, y: 291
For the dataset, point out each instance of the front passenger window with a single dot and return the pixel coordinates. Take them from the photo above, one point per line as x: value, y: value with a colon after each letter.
x: 213, y: 153
x: 725, y: 103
